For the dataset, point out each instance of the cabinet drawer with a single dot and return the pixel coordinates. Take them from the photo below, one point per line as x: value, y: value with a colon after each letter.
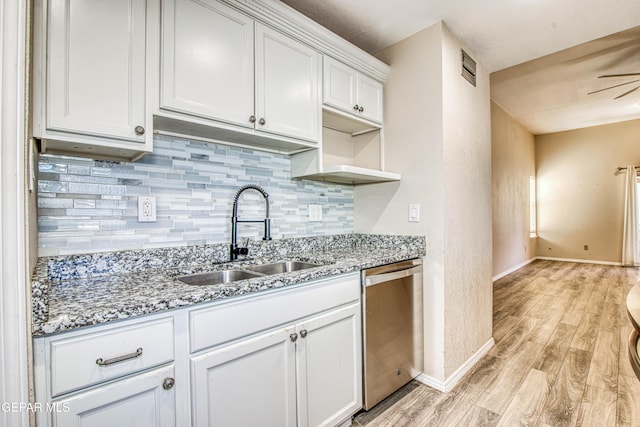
x: 229, y: 321
x: 102, y: 355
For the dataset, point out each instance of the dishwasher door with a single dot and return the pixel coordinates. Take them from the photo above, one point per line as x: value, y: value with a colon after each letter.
x: 392, y: 328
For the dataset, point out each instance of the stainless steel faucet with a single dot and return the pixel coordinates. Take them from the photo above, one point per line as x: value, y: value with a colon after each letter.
x: 234, y: 250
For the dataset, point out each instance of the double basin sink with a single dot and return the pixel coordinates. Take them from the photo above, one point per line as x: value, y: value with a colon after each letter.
x: 247, y: 272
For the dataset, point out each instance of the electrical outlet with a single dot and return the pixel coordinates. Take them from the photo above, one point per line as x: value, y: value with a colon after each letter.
x: 146, y: 209
x: 586, y: 247
x: 315, y: 213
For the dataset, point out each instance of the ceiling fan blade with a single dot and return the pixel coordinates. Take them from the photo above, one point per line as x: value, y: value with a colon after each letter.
x: 627, y: 93
x: 620, y: 75
x: 613, y: 87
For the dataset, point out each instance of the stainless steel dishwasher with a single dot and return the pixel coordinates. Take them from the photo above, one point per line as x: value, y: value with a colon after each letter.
x: 392, y: 328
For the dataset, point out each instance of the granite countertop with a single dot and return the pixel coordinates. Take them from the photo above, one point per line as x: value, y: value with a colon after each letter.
x: 76, y: 291
x: 633, y: 306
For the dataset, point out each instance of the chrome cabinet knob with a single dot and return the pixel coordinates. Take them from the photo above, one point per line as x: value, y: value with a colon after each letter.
x: 252, y: 119
x: 168, y: 383
x: 293, y: 337
x: 356, y: 107
x: 361, y: 109
x: 139, y: 130
x: 303, y: 333
x: 262, y: 121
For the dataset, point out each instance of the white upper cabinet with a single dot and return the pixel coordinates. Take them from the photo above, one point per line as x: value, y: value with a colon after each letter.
x: 353, y: 142
x: 234, y: 79
x: 339, y: 85
x: 369, y: 98
x: 107, y: 75
x: 207, y: 61
x: 90, y: 76
x: 351, y: 91
x: 287, y: 86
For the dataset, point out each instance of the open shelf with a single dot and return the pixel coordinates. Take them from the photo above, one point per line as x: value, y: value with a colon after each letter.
x: 345, y: 157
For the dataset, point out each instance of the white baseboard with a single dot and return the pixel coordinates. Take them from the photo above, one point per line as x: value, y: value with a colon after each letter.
x: 448, y: 384
x: 582, y: 261
x: 512, y: 269
x: 529, y: 261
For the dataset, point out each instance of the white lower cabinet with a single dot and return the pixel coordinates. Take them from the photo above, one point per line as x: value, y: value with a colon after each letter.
x: 289, y: 357
x: 144, y: 400
x: 117, y: 374
x: 305, y: 374
x: 329, y: 367
x: 250, y: 383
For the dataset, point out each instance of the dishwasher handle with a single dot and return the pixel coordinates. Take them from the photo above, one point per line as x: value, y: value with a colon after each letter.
x: 387, y: 277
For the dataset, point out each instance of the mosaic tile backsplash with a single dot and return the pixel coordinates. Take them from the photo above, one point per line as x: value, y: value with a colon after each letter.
x: 87, y: 206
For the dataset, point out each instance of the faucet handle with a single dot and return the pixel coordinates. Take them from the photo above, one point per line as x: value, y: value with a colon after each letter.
x: 244, y: 250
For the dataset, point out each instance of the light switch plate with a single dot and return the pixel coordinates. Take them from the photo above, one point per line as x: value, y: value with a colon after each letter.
x: 146, y: 209
x: 315, y: 212
x: 414, y: 212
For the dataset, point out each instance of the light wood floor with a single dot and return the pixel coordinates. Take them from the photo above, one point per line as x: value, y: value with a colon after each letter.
x: 560, y: 358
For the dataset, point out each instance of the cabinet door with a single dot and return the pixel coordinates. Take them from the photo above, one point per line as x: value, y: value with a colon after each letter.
x: 138, y: 401
x: 207, y: 61
x: 369, y: 96
x: 96, y: 68
x: 287, y: 86
x: 339, y: 89
x: 249, y: 383
x: 330, y: 367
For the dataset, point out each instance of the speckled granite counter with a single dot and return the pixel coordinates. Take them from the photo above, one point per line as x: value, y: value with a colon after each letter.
x: 81, y: 290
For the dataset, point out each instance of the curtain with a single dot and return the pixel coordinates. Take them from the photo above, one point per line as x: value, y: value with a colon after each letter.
x: 630, y: 251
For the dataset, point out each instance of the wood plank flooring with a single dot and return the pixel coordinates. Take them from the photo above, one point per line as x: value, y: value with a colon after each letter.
x: 560, y: 357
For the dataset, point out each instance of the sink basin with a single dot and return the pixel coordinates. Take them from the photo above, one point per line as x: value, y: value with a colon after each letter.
x: 218, y: 277
x: 281, y: 267
x: 248, y: 272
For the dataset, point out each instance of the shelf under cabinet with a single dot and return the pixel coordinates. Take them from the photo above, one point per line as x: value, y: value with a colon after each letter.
x: 171, y: 124
x: 338, y: 120
x: 347, y: 174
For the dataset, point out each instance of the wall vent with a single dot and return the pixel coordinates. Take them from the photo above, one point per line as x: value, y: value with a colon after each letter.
x: 468, y: 68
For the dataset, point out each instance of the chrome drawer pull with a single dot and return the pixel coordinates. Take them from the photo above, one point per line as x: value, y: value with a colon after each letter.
x: 102, y: 362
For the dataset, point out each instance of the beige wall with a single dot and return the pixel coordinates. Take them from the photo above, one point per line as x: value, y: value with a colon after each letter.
x: 467, y: 208
x: 413, y: 147
x: 580, y: 199
x: 513, y: 162
x: 437, y: 134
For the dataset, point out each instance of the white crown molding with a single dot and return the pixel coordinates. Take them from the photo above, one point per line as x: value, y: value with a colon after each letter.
x: 291, y: 22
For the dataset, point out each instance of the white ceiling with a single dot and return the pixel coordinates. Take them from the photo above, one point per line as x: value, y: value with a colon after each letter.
x: 504, y: 33
x: 551, y: 94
